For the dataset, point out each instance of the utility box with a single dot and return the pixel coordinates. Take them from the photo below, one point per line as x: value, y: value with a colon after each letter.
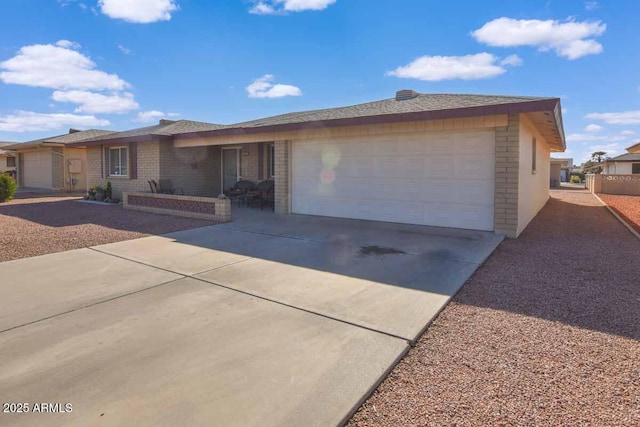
x: 75, y: 166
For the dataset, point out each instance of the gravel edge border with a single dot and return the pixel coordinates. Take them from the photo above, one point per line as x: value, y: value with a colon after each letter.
x: 618, y: 217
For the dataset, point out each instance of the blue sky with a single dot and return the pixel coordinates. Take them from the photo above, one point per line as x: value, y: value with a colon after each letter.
x: 120, y: 64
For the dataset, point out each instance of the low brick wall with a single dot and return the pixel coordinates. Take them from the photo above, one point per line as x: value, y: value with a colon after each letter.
x: 187, y: 206
x: 614, y: 184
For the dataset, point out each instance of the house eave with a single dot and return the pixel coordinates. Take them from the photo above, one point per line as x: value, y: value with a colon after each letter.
x: 124, y: 140
x: 550, y: 106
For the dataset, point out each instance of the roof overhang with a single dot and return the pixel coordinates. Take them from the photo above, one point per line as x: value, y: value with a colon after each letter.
x: 30, y: 145
x: 635, y: 148
x: 550, y: 120
x: 123, y: 140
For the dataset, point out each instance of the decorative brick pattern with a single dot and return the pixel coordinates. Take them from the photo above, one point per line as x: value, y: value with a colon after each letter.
x: 172, y: 204
x: 186, y: 206
x: 282, y: 152
x: 507, y: 169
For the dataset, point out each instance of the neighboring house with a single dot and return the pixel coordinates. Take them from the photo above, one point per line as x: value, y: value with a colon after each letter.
x: 624, y: 164
x: 634, y: 148
x: 49, y: 163
x: 565, y: 169
x: 560, y: 171
x: 464, y: 161
x: 7, y: 158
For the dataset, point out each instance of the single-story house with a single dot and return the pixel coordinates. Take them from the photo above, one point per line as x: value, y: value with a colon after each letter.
x: 50, y: 163
x: 560, y: 171
x: 464, y: 161
x: 624, y: 164
x: 7, y: 158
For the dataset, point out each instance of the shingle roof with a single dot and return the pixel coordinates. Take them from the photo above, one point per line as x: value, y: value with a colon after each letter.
x: 67, y: 138
x: 165, y: 128
x: 3, y: 144
x: 634, y: 147
x: 432, y: 105
x: 78, y: 136
x: 627, y: 157
x: 421, y: 103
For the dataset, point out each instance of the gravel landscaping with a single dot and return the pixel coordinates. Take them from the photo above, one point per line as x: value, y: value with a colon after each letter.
x: 628, y: 207
x: 38, y: 224
x: 546, y: 332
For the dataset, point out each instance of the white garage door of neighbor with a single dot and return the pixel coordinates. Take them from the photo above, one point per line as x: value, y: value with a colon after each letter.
x: 37, y: 170
x: 442, y: 179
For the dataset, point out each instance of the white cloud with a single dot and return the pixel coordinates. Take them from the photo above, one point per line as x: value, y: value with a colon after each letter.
x: 269, y: 7
x: 611, y: 149
x: 125, y: 49
x: 97, y: 103
x: 469, y: 67
x: 512, y: 60
x: 57, y: 67
x: 152, y: 116
x: 627, y: 132
x: 593, y: 128
x: 591, y: 5
x: 264, y: 88
x: 139, y: 11
x: 569, y: 39
x: 262, y: 8
x: 580, y: 137
x: 621, y: 118
x: 68, y: 44
x: 28, y: 121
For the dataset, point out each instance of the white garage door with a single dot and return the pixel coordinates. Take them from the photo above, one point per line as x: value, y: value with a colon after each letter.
x: 441, y: 178
x: 36, y: 171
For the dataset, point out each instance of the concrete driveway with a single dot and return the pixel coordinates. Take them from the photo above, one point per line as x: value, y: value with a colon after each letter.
x: 266, y: 321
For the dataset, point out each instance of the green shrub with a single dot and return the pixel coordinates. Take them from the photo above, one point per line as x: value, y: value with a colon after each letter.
x: 575, y: 179
x: 579, y: 175
x: 7, y: 188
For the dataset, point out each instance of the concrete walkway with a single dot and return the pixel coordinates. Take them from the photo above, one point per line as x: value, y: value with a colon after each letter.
x: 280, y: 321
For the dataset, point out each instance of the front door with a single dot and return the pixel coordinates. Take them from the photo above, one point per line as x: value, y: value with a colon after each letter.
x: 230, y: 167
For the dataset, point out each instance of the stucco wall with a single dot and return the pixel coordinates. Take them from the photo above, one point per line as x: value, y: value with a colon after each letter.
x: 533, y: 188
x: 620, y: 168
x: 81, y: 178
x: 556, y: 174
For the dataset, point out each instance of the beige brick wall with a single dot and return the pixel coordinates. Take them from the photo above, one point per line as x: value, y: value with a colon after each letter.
x: 506, y: 177
x: 282, y: 153
x: 249, y: 160
x: 148, y: 168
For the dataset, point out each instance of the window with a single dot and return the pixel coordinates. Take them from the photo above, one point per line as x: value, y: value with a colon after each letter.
x: 534, y: 150
x: 272, y: 160
x: 635, y: 168
x: 118, y: 161
x: 11, y: 162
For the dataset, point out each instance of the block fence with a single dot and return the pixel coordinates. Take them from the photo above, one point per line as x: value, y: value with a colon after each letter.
x: 628, y: 185
x: 185, y: 206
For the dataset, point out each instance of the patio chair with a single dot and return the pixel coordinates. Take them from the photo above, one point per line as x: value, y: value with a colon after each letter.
x: 166, y: 187
x: 240, y: 188
x: 269, y: 198
x: 153, y: 186
x: 263, y: 192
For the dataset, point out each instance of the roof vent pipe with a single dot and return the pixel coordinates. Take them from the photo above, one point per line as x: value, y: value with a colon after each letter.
x: 403, y: 95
